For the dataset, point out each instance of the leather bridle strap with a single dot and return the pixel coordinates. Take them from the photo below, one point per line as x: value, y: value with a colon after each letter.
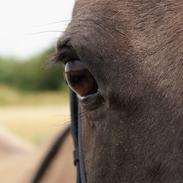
x: 76, y: 133
x: 49, y: 158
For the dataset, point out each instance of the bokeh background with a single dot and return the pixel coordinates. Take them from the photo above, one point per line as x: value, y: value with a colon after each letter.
x: 33, y: 95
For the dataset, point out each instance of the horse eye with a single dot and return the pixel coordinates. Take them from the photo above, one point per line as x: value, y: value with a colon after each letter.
x: 79, y: 79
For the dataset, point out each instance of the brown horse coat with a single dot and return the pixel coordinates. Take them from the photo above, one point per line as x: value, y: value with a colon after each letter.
x: 134, y: 51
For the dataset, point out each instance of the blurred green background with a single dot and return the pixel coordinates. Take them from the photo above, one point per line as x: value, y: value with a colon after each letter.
x: 34, y: 74
x: 33, y: 97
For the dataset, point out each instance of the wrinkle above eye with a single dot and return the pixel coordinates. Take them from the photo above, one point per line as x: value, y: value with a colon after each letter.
x: 65, y: 51
x: 66, y: 54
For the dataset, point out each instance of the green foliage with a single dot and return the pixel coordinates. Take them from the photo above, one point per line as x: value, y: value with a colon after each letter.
x: 35, y: 74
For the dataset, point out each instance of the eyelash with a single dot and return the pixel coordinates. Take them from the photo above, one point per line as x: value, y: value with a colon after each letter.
x: 66, y: 54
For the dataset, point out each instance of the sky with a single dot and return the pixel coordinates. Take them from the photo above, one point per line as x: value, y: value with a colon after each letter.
x: 27, y: 27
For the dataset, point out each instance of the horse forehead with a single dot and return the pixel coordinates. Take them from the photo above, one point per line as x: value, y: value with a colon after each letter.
x: 137, y: 8
x: 147, y: 26
x: 100, y: 4
x: 143, y: 21
x: 120, y: 4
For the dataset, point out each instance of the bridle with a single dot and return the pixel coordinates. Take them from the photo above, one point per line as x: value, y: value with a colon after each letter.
x: 76, y: 133
x: 78, y: 154
x: 46, y: 162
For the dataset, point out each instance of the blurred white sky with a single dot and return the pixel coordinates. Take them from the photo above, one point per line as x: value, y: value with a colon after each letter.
x: 21, y: 22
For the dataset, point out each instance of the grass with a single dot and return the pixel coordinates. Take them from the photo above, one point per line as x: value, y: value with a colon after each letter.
x: 33, y: 116
x: 11, y: 97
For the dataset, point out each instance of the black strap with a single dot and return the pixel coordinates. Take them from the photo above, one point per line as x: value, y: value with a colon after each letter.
x: 76, y: 132
x: 50, y: 156
x: 78, y: 154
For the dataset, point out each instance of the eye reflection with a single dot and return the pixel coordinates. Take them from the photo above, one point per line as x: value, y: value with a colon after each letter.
x: 79, y: 79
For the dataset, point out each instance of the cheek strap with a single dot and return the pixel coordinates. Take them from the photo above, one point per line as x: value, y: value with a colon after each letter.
x: 76, y: 133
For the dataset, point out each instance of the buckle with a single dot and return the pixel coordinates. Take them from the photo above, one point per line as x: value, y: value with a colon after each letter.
x: 76, y: 157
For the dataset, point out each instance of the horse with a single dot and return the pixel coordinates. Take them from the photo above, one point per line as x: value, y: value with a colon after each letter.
x: 124, y: 61
x: 13, y: 150
x: 23, y: 163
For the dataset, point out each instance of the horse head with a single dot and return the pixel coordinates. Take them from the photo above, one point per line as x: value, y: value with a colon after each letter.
x: 124, y: 60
